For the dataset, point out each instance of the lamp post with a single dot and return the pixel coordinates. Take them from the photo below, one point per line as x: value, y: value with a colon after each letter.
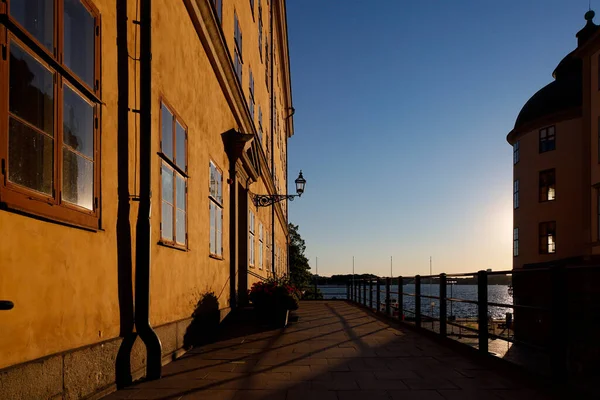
x: 265, y: 200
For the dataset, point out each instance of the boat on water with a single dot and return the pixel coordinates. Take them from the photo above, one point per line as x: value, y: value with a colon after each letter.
x: 394, y: 307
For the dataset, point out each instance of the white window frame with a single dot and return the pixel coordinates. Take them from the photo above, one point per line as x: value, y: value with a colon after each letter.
x: 215, y: 196
x: 251, y: 254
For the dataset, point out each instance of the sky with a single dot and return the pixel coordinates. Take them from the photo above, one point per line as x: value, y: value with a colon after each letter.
x: 402, y: 111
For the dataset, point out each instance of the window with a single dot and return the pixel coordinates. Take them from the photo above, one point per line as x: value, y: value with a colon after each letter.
x: 516, y: 194
x: 515, y: 242
x: 252, y: 7
x: 268, y: 250
x: 173, y: 154
x: 547, y: 185
x: 547, y: 237
x: 251, y: 238
x: 260, y: 30
x: 547, y: 139
x: 516, y: 155
x: 267, y: 66
x: 251, y: 79
x: 49, y: 143
x: 238, y: 63
x: 215, y: 198
x: 260, y: 126
x: 260, y: 246
x: 219, y: 8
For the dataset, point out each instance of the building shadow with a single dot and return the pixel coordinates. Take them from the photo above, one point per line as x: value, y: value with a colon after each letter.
x: 206, y: 319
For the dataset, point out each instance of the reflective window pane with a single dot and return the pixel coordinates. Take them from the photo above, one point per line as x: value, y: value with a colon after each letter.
x: 78, y: 180
x: 167, y: 221
x: 213, y: 227
x: 78, y: 123
x: 37, y: 17
x: 31, y: 90
x: 167, y: 184
x: 79, y: 40
x: 219, y: 223
x: 167, y: 132
x: 180, y: 224
x: 30, y: 158
x: 180, y: 192
x: 180, y: 142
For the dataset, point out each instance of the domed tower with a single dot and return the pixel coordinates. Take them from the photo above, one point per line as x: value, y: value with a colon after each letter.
x: 551, y: 156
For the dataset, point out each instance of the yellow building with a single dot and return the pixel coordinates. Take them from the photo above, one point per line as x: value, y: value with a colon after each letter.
x: 556, y: 156
x: 136, y: 136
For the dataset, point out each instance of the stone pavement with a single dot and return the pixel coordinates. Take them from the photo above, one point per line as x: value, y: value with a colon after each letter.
x: 335, y: 351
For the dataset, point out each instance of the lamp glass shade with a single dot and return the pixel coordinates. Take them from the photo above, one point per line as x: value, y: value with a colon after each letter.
x: 300, y: 183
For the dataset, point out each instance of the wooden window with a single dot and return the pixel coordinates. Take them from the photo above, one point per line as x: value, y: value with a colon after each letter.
x: 260, y: 31
x: 515, y: 242
x: 173, y: 159
x: 260, y: 124
x: 238, y: 60
x: 218, y: 4
x: 547, y: 185
x: 547, y: 237
x: 547, y: 139
x: 216, y: 211
x: 49, y: 146
x: 516, y: 193
x: 251, y: 90
x: 516, y: 155
x: 260, y: 245
x: 251, y: 254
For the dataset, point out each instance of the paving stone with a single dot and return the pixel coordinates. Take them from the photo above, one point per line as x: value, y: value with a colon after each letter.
x: 334, y: 352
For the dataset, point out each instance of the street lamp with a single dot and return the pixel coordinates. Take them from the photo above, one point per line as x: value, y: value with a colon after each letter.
x: 265, y: 200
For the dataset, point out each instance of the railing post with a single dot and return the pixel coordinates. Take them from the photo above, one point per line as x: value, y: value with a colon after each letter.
x: 347, y: 290
x: 371, y: 293
x: 378, y: 300
x: 418, y: 301
x: 482, y: 300
x: 401, y: 298
x: 316, y: 286
x: 388, y: 300
x: 443, y: 310
x: 559, y: 324
x: 365, y: 293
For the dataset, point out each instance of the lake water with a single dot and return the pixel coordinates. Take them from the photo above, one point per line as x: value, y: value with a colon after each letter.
x: 496, y: 294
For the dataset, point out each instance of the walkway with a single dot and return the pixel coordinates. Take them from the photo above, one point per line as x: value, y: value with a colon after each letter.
x: 336, y: 351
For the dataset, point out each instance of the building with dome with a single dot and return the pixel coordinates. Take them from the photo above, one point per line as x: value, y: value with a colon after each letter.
x: 556, y: 156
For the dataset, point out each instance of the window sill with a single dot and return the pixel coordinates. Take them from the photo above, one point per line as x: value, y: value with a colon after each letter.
x: 173, y: 246
x: 216, y: 257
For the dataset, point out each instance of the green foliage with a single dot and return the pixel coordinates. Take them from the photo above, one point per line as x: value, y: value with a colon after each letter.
x: 310, y: 294
x: 300, y: 275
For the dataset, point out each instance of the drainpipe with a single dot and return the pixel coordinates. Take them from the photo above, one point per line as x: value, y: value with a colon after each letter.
x: 143, y: 226
x: 272, y: 135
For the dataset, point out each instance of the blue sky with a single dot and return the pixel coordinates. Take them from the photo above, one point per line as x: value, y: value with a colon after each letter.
x: 402, y: 112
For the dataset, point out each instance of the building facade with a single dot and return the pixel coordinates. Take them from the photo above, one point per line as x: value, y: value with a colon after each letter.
x: 135, y: 136
x: 556, y: 156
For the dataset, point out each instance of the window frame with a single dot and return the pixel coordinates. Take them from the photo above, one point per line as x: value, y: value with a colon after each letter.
x: 218, y: 6
x: 515, y: 241
x: 544, y: 140
x: 546, y: 230
x: 544, y: 187
x: 215, y: 201
x: 515, y: 194
x: 261, y: 232
x: 251, y: 239
x: 21, y: 199
x: 172, y: 165
x: 252, y: 104
x: 516, y: 152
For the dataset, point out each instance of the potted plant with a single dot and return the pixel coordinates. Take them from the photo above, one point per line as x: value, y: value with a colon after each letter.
x: 273, y: 299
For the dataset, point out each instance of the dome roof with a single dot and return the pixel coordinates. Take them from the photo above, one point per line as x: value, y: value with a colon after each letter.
x: 563, y: 93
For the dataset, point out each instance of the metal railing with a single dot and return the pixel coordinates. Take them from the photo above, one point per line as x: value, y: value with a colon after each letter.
x: 538, y: 320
